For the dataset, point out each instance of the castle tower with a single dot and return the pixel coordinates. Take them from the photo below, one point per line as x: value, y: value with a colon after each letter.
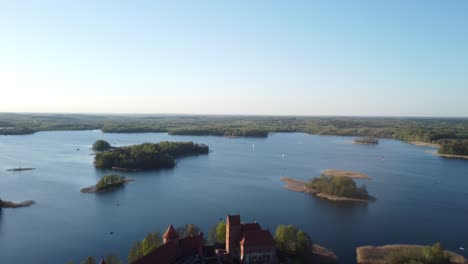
x: 233, y: 233
x: 170, y: 236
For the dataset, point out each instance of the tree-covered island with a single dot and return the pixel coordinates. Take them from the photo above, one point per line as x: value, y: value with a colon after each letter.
x: 338, y: 186
x: 333, y: 185
x: 366, y: 140
x: 101, y: 145
x: 8, y: 204
x: 147, y: 156
x: 107, y: 183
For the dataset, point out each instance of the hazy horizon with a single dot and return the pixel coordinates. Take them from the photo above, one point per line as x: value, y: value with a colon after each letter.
x: 261, y: 58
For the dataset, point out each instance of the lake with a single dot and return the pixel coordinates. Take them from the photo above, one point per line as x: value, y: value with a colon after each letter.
x: 421, y: 198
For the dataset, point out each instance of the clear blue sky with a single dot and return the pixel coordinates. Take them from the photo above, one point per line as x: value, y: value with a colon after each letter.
x: 328, y: 57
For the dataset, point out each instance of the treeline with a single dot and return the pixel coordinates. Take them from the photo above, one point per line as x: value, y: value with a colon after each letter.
x: 148, y: 155
x: 453, y: 147
x: 366, y: 140
x: 338, y: 186
x: 430, y: 130
x: 215, y: 131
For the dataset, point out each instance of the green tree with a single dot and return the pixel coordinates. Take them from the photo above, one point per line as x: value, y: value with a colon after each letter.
x: 435, y: 254
x: 134, y: 252
x: 89, y: 260
x: 292, y: 241
x: 101, y: 145
x: 221, y: 232
x: 111, y: 180
x: 112, y: 259
x: 188, y: 230
x: 148, y: 244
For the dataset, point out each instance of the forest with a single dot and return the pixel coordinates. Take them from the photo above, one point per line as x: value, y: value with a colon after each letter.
x: 148, y: 155
x: 432, y: 130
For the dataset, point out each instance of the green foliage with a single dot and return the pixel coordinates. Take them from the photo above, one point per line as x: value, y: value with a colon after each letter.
x: 221, y: 232
x: 338, y: 186
x: 428, y: 255
x: 148, y: 244
x: 110, y: 181
x: 220, y: 131
x: 453, y: 147
x: 101, y: 145
x: 112, y: 259
x: 188, y: 230
x: 89, y: 260
x: 367, y: 140
x: 291, y: 241
x: 148, y: 155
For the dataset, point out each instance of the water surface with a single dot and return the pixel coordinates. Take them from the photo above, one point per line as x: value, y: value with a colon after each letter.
x: 421, y: 198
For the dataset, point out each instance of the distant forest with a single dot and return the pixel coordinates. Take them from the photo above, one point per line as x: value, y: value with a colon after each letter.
x: 451, y: 133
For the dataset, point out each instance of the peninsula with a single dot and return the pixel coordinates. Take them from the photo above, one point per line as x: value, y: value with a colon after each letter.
x: 147, y: 156
x: 407, y: 254
x: 107, y: 183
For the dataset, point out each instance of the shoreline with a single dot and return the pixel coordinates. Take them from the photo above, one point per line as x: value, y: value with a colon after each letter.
x: 451, y: 156
x: 300, y: 186
x: 344, y: 173
x: 93, y: 189
x: 423, y: 144
x: 9, y: 204
x: 377, y: 254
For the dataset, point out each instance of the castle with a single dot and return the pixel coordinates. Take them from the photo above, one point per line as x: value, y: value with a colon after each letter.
x: 245, y: 243
x: 248, y: 243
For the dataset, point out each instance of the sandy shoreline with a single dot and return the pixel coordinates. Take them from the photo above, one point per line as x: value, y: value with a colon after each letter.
x: 93, y: 189
x: 424, y: 144
x: 8, y: 204
x: 451, y: 156
x: 343, y: 173
x: 376, y: 255
x: 300, y: 186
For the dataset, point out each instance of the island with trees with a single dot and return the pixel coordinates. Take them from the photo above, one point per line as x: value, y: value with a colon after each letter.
x: 147, y: 156
x: 417, y: 254
x: 366, y: 140
x: 101, y: 145
x: 333, y: 185
x: 107, y: 183
x: 9, y: 204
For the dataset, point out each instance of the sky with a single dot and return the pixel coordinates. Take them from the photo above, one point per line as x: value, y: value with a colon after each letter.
x: 371, y: 58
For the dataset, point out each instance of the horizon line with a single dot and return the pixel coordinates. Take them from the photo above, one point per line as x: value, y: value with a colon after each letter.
x: 230, y: 115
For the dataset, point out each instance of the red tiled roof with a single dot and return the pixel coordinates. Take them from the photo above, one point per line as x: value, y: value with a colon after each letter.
x: 170, y: 233
x: 255, y: 238
x: 190, y: 244
x: 233, y: 219
x: 250, y: 226
x: 165, y: 254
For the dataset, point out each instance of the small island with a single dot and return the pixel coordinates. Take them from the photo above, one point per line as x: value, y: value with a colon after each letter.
x: 339, y: 187
x: 344, y: 173
x: 101, y: 145
x: 147, y: 156
x: 407, y: 254
x: 107, y: 183
x: 366, y: 140
x: 20, y: 169
x: 8, y: 204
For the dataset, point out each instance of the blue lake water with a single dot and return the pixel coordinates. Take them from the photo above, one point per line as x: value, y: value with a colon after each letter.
x: 421, y: 198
